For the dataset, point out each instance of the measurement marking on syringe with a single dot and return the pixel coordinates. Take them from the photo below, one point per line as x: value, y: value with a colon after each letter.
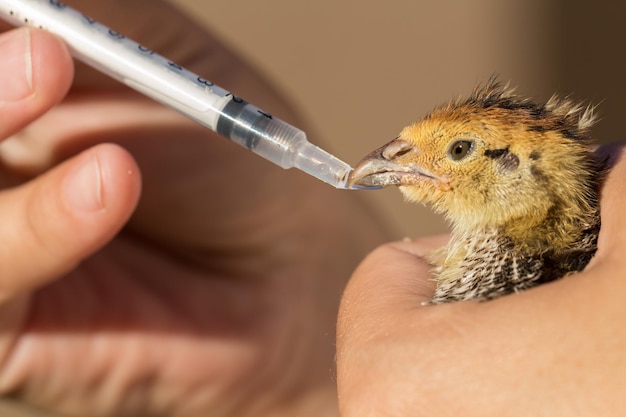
x: 171, y: 84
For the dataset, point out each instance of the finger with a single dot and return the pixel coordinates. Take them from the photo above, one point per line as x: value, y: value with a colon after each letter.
x: 612, y: 203
x: 394, y: 278
x: 381, y: 300
x: 53, y: 222
x: 37, y: 72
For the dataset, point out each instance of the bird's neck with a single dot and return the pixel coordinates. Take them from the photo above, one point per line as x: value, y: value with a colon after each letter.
x: 560, y: 229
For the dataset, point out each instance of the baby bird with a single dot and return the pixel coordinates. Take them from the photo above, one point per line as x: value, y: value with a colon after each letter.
x: 518, y: 182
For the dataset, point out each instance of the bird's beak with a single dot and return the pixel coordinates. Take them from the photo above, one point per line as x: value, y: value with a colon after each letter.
x: 381, y: 169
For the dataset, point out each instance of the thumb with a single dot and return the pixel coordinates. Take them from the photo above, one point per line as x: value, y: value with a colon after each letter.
x: 379, y: 307
x: 391, y: 283
x: 393, y: 279
x: 52, y: 223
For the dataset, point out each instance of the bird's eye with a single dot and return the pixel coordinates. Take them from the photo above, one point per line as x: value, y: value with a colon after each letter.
x: 460, y: 149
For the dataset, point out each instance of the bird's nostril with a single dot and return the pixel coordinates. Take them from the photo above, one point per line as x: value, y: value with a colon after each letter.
x: 396, y: 148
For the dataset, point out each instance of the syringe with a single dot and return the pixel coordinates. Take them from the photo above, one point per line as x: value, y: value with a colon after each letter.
x: 170, y: 84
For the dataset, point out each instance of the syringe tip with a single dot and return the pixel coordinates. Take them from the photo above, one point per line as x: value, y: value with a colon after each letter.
x: 324, y: 166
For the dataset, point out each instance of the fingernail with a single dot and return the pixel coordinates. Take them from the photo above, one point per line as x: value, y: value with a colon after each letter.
x: 83, y: 186
x: 16, y: 81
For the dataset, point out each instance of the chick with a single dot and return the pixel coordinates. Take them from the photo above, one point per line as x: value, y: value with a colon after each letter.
x: 517, y: 180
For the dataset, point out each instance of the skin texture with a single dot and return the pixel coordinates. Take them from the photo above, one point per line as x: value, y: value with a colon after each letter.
x: 555, y: 350
x: 220, y: 294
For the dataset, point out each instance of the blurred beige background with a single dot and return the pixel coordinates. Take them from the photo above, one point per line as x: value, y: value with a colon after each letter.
x: 358, y: 71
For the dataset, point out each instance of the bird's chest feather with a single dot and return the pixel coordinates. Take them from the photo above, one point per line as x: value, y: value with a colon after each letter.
x: 483, y: 266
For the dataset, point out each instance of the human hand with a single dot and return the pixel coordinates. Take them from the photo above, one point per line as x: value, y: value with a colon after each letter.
x: 554, y: 350
x: 218, y: 298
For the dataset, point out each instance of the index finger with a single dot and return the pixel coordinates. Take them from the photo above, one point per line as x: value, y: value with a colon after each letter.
x: 37, y: 72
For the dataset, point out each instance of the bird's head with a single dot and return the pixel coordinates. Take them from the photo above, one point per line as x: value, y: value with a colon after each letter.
x: 490, y: 159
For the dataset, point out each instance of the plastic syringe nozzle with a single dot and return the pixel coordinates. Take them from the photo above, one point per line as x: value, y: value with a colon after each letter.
x: 322, y: 165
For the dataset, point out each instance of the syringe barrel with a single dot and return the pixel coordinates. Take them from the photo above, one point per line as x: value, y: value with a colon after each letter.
x: 176, y: 87
x: 260, y: 132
